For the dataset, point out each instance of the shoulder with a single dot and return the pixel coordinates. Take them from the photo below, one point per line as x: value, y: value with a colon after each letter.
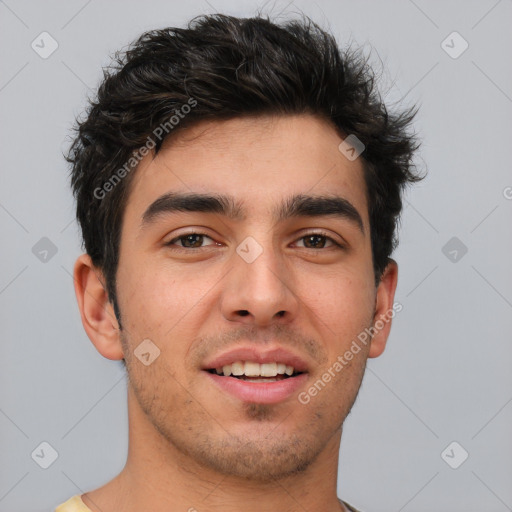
x: 74, y: 504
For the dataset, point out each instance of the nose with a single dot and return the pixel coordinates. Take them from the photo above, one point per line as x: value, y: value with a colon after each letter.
x: 259, y: 292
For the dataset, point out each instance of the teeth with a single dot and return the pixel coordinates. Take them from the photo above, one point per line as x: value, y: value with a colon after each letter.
x: 251, y: 369
x: 237, y: 368
x: 268, y: 369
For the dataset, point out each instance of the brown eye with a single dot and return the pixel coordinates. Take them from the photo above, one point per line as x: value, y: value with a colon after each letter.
x: 318, y: 241
x: 189, y: 240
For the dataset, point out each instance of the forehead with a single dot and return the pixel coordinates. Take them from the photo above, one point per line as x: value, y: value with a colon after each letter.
x: 262, y: 163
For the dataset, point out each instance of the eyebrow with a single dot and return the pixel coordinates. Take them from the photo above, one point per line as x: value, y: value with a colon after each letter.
x: 294, y: 206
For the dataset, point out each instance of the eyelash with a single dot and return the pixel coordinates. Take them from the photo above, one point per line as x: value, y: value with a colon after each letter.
x: 189, y: 249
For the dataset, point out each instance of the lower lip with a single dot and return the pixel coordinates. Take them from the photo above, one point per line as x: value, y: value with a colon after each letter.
x: 259, y: 392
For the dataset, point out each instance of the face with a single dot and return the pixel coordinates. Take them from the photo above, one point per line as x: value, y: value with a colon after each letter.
x: 257, y: 284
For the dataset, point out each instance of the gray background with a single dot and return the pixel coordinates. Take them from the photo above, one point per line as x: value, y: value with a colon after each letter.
x: 445, y: 375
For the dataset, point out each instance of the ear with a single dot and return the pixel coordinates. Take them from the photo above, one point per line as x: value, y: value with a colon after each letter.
x: 384, y: 311
x: 98, y: 317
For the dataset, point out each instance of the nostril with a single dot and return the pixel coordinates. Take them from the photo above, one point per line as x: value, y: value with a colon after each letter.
x: 243, y: 312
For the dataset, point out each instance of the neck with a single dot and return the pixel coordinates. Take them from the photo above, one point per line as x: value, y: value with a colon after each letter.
x: 158, y: 477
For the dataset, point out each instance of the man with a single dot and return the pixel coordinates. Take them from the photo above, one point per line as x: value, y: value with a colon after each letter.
x: 238, y: 185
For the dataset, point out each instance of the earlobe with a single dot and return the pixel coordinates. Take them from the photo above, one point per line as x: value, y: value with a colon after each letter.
x: 96, y: 311
x: 384, y: 311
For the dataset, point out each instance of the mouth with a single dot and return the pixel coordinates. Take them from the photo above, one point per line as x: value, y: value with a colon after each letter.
x: 251, y: 371
x: 252, y: 382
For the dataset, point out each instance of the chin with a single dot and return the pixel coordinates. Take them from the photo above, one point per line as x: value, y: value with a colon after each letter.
x: 260, y: 462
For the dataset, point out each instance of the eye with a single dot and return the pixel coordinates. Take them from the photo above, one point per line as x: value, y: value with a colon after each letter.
x: 190, y: 240
x: 194, y: 240
x: 312, y: 239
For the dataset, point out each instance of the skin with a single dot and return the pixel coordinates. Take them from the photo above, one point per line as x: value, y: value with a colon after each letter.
x: 191, y: 445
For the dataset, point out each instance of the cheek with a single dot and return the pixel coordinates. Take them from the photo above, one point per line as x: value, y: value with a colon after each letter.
x: 343, y: 301
x: 148, y: 300
x: 162, y: 303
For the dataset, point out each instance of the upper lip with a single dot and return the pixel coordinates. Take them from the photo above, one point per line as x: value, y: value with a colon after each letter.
x: 257, y: 355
